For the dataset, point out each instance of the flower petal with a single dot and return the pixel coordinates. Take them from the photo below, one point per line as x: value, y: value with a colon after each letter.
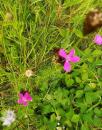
x: 27, y: 96
x: 67, y: 66
x: 72, y: 52
x: 21, y: 95
x: 7, y: 122
x: 20, y: 101
x: 75, y: 59
x: 25, y: 103
x: 62, y: 53
x: 98, y: 39
x: 24, y: 98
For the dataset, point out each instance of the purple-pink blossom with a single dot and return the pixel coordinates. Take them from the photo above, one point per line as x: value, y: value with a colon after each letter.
x: 98, y: 39
x: 24, y: 98
x: 68, y: 58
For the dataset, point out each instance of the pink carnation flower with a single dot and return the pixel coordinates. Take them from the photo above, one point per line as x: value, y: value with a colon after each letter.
x: 24, y: 98
x: 98, y: 39
x: 68, y: 58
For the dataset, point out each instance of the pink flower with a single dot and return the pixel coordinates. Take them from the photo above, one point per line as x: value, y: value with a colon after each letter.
x: 24, y: 98
x: 68, y: 58
x: 98, y: 40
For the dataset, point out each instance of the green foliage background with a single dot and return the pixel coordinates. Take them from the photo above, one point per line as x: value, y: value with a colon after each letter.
x: 29, y: 31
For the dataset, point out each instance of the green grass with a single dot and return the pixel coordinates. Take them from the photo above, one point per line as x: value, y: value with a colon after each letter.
x: 29, y: 32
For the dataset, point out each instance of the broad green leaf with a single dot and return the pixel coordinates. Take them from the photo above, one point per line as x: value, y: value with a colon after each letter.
x: 88, y: 117
x: 78, y: 80
x: 70, y: 113
x: 47, y: 109
x: 85, y: 76
x: 98, y: 112
x: 68, y: 122
x: 68, y: 80
x: 96, y: 53
x: 75, y: 118
x: 84, y: 127
x: 91, y: 97
x: 79, y: 93
x: 97, y: 122
x: 92, y: 85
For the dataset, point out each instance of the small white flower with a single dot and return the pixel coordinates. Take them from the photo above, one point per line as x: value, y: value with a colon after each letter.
x: 58, y: 123
x: 63, y: 127
x: 28, y: 73
x: 8, y: 117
